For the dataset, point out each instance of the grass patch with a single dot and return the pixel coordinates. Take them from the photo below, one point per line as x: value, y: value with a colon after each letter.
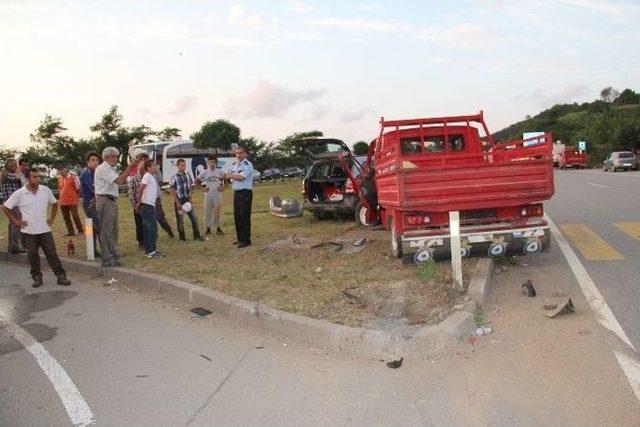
x: 304, y: 281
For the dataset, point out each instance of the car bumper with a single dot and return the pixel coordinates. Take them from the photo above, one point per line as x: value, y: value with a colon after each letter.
x: 517, y: 241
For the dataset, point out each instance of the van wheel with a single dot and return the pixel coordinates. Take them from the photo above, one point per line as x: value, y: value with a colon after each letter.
x: 361, y: 215
x: 396, y: 241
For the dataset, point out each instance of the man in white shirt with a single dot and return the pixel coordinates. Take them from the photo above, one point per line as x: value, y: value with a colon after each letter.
x: 106, y: 181
x: 146, y: 207
x: 33, y: 200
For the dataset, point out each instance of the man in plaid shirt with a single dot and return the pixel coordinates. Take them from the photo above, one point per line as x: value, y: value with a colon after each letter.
x: 133, y: 184
x: 10, y: 182
x: 181, y: 185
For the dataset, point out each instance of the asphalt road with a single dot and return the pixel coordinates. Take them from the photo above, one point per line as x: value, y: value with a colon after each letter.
x: 135, y: 361
x: 599, y: 213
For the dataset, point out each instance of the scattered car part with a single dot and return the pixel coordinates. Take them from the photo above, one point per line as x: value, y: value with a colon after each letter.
x: 528, y: 289
x: 395, y: 364
x: 201, y: 311
x: 563, y: 306
x: 287, y: 208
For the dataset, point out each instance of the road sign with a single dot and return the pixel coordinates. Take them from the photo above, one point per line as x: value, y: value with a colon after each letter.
x: 582, y: 145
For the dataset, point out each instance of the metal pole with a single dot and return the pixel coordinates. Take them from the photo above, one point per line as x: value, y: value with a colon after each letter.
x: 456, y: 254
x: 88, y: 232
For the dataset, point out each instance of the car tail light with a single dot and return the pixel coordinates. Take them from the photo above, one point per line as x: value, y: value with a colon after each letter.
x: 531, y: 210
x: 348, y: 189
x: 302, y: 186
x: 418, y: 219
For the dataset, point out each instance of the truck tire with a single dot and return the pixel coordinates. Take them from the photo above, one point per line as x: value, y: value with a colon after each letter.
x: 361, y: 215
x: 396, y: 241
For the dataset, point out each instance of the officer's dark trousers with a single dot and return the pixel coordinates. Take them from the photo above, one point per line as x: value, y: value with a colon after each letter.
x: 242, y: 200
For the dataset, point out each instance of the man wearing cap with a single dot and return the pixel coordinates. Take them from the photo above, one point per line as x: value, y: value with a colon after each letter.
x: 33, y: 200
x: 241, y: 176
x: 106, y: 180
x: 181, y: 185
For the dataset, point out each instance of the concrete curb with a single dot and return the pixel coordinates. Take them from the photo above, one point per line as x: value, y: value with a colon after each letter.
x: 362, y: 342
x: 480, y: 283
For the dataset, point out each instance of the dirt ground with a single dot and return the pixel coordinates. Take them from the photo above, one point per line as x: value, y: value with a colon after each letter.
x: 292, y: 267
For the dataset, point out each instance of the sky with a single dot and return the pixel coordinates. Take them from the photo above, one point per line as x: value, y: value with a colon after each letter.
x: 277, y: 67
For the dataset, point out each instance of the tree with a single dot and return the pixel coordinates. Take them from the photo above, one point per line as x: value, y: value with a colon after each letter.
x: 111, y: 132
x: 168, y: 134
x: 7, y: 153
x: 360, y: 148
x: 627, y: 97
x: 608, y: 94
x: 219, y: 135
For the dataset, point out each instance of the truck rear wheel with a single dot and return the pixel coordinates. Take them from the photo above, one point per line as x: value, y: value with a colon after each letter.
x: 396, y: 241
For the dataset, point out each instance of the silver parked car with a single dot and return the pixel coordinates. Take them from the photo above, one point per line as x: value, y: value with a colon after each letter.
x: 620, y: 160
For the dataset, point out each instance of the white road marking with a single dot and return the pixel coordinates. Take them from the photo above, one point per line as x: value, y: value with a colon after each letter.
x: 589, y: 289
x: 597, y: 185
x: 631, y: 368
x: 77, y: 409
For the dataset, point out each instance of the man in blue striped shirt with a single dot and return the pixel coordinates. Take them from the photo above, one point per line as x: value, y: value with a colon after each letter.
x: 89, y: 195
x: 181, y: 185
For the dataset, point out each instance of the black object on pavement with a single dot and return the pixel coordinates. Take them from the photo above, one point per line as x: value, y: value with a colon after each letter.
x: 528, y: 289
x: 206, y: 357
x: 200, y: 311
x: 395, y: 364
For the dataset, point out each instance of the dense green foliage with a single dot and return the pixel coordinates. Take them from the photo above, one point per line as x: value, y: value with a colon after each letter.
x: 219, y: 135
x: 608, y: 124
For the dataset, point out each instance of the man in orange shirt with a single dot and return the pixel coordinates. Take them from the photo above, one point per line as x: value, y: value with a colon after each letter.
x: 69, y: 187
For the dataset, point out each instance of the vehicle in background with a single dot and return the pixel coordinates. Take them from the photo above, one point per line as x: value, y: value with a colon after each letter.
x: 571, y: 157
x: 420, y: 170
x: 620, y: 160
x: 292, y: 172
x: 326, y: 188
x: 271, y: 174
x: 166, y: 154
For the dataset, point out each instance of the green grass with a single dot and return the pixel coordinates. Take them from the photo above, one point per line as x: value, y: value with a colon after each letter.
x: 288, y: 280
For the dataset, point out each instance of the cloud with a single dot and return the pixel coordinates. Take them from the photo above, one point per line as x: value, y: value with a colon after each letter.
x: 540, y: 98
x: 355, y: 116
x: 236, y: 14
x: 300, y: 6
x: 265, y: 99
x: 356, y: 24
x: 305, y: 36
x: 183, y: 104
x: 239, y: 17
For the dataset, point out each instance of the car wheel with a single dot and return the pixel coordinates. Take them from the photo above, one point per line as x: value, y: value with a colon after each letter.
x: 396, y: 241
x: 361, y: 215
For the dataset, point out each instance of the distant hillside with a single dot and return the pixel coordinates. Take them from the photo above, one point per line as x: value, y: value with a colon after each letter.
x: 606, y: 126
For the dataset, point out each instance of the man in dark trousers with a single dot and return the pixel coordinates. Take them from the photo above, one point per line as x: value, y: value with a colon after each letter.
x: 181, y: 185
x: 241, y: 176
x: 33, y: 200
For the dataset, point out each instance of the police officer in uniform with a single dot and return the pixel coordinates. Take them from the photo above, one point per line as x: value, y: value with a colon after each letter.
x: 241, y: 176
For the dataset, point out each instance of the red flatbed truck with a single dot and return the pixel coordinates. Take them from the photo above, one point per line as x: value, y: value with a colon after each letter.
x: 419, y: 170
x: 571, y: 157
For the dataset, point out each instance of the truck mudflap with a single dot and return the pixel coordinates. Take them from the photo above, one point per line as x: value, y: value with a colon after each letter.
x: 521, y: 241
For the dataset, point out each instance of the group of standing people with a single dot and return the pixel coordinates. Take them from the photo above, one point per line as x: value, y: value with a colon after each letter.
x: 26, y: 205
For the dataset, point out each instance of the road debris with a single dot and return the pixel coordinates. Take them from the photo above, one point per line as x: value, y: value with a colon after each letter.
x: 142, y: 376
x: 482, y: 331
x: 563, y: 305
x: 360, y: 241
x: 206, y: 357
x: 395, y: 364
x: 111, y: 282
x: 259, y: 347
x: 287, y: 208
x: 528, y: 289
x: 333, y: 246
x: 201, y: 311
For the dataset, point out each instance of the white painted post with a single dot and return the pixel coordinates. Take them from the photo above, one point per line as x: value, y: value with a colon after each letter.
x: 88, y: 232
x: 456, y: 255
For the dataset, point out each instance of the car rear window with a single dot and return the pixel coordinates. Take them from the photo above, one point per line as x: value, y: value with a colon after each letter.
x: 625, y: 155
x: 434, y: 143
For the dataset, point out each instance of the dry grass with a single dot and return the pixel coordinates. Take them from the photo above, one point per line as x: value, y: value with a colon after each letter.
x: 299, y: 280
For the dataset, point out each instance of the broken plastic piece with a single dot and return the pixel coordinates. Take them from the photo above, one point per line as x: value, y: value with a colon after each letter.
x: 200, y: 311
x: 564, y: 306
x: 528, y: 289
x: 360, y: 241
x: 287, y: 208
x: 395, y: 364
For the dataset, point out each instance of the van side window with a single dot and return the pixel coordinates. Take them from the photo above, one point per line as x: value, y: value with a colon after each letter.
x: 410, y: 145
x: 434, y: 144
x: 456, y: 142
